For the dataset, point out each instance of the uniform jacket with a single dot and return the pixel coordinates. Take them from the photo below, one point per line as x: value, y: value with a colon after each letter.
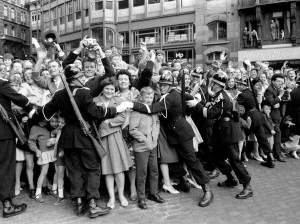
x: 144, y: 129
x: 72, y: 135
x: 8, y: 95
x: 177, y: 128
x: 294, y: 107
x: 225, y: 129
x: 271, y: 96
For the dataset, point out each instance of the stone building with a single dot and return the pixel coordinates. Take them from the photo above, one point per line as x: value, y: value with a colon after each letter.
x: 14, y: 28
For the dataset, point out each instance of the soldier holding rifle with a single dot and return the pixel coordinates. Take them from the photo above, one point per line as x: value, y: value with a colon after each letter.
x: 81, y: 156
x: 8, y: 133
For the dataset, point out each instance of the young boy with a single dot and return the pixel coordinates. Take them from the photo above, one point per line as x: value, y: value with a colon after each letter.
x: 268, y: 123
x: 144, y: 128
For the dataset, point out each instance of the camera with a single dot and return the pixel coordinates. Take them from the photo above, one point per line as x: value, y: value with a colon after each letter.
x: 90, y: 43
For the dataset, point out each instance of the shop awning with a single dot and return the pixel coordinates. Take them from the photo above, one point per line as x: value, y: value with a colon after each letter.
x: 274, y: 54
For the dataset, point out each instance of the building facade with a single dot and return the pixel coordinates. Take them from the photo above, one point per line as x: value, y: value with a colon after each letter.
x: 14, y: 28
x: 277, y: 23
x: 197, y: 31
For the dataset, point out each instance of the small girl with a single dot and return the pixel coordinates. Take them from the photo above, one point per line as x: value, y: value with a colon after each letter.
x: 59, y: 164
x: 38, y: 138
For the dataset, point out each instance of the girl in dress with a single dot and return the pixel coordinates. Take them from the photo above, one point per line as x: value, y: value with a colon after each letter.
x: 38, y: 138
x: 118, y: 158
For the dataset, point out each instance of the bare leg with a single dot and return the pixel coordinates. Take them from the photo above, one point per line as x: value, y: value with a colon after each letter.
x: 120, y: 180
x: 42, y: 177
x: 109, y: 179
x: 167, y: 182
x: 29, y: 169
x: 19, y: 167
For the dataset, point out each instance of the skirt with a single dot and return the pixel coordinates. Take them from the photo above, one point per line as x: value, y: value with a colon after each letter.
x: 46, y: 157
x: 20, y: 155
x: 166, y: 153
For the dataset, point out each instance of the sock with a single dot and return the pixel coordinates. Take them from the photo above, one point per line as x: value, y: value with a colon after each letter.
x: 54, y: 187
x: 38, y: 191
x: 60, y: 193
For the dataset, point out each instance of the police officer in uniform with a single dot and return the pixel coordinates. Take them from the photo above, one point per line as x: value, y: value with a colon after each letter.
x: 248, y: 101
x: 8, y: 150
x: 179, y: 132
x: 225, y: 134
x: 82, y: 161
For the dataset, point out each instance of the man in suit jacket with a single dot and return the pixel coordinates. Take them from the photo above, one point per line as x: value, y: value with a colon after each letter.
x: 8, y: 150
x: 273, y: 95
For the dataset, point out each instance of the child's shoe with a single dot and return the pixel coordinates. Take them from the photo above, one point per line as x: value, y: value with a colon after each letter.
x: 59, y: 201
x: 39, y: 198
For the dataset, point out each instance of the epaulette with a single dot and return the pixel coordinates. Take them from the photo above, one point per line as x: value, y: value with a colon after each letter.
x: 4, y: 79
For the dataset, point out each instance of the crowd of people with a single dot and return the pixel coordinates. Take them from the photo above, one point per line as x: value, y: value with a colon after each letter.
x: 161, y: 125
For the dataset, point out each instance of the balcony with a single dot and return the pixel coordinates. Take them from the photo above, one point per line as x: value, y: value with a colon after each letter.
x: 270, y: 43
x: 244, y: 4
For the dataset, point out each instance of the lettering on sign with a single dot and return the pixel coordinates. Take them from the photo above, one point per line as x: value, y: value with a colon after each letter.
x: 179, y: 55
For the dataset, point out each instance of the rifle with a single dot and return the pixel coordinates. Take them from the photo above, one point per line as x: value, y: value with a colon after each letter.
x: 85, y: 127
x: 16, y: 129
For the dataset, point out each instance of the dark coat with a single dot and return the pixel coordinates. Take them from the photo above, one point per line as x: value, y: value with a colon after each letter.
x: 177, y: 128
x: 72, y: 135
x: 271, y: 96
x: 247, y: 100
x: 225, y: 129
x: 294, y: 108
x: 8, y: 95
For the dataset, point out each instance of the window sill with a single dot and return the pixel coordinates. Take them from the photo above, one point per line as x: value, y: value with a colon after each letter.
x: 216, y: 42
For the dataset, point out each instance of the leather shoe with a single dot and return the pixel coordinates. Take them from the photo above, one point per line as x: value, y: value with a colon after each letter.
x: 156, y: 198
x: 142, y: 203
x: 245, y: 193
x: 269, y: 164
x: 183, y: 185
x: 213, y: 174
x: 9, y: 209
x: 81, y: 208
x: 32, y: 193
x: 208, y: 196
x: 228, y: 183
x: 280, y: 159
x: 95, y: 210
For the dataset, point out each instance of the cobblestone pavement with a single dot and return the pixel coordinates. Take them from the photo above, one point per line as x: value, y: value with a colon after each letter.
x: 276, y: 200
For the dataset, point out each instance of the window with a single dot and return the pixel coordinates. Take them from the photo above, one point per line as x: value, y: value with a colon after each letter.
x: 86, y: 12
x: 78, y: 15
x: 109, y: 36
x: 169, y: 0
x: 12, y: 13
x: 69, y: 8
x: 6, y: 29
x: 23, y: 17
x: 153, y: 1
x: 214, y: 56
x: 53, y: 13
x: 217, y: 31
x: 62, y: 20
x: 184, y: 54
x: 70, y: 18
x: 150, y: 37
x: 98, y: 4
x: 109, y: 5
x: 33, y: 16
x: 123, y: 4
x: 126, y: 38
x: 46, y: 16
x: 61, y: 10
x: 180, y: 33
x: 77, y: 5
x: 5, y: 11
x: 138, y: 3
x: 13, y: 31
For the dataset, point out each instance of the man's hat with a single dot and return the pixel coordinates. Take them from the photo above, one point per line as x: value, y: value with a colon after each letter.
x: 72, y: 72
x: 197, y: 72
x: 166, y: 79
x: 243, y: 80
x: 220, y: 78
